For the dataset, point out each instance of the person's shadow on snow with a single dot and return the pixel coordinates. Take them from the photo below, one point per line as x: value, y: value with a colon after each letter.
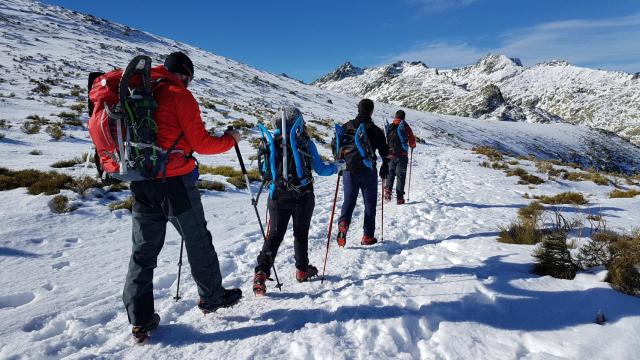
x: 509, y: 307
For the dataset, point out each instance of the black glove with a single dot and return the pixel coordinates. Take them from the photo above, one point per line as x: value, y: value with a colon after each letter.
x: 384, y: 169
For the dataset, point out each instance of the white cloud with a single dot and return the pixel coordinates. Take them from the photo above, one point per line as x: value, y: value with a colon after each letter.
x: 433, y: 6
x: 607, y: 43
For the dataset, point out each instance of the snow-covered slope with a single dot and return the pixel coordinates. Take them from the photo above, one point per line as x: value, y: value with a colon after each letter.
x: 498, y: 87
x: 439, y: 287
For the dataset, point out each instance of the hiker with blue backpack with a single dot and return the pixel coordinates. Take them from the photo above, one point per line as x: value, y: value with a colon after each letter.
x: 400, y: 139
x: 290, y: 189
x: 358, y: 140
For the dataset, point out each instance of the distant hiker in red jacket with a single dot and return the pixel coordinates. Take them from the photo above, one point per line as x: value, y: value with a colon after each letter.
x: 400, y: 138
x: 175, y: 199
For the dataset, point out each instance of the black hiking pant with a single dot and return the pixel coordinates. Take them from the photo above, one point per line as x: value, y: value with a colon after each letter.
x: 365, y: 181
x: 397, y: 169
x: 177, y: 201
x: 281, y: 209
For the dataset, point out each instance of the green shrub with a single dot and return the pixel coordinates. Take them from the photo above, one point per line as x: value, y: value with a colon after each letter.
x: 72, y: 122
x: 50, y: 184
x: 60, y: 205
x: 69, y: 163
x: 211, y: 185
x: 563, y: 198
x: 254, y: 175
x: 593, y: 253
x: 553, y: 257
x: 67, y: 115
x: 55, y: 131
x: 499, y: 166
x: 227, y: 171
x: 532, y: 212
x: 623, y: 194
x: 623, y: 270
x: 78, y: 108
x: 237, y: 181
x: 241, y: 124
x: 122, y: 204
x: 118, y: 187
x: 42, y: 88
x: 521, y: 232
x: 81, y: 185
x: 30, y: 127
x: 525, y: 177
x: 485, y: 164
x: 491, y: 153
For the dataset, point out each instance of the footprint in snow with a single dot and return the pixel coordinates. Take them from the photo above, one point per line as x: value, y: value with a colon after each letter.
x: 16, y: 300
x: 60, y: 265
x: 165, y: 281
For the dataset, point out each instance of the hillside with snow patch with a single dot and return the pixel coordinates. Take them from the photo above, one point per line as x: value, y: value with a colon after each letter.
x: 440, y: 286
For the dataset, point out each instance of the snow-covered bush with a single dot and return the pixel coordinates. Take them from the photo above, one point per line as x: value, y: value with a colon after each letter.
x: 60, y: 205
x: 624, y: 269
x: 122, y: 204
x: 55, y: 131
x: 211, y: 185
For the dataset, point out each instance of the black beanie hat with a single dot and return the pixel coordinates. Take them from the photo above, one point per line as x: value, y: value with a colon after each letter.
x: 179, y: 62
x: 400, y: 114
x: 365, y: 107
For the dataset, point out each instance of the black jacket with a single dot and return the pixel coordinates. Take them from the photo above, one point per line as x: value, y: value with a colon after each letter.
x: 375, y: 134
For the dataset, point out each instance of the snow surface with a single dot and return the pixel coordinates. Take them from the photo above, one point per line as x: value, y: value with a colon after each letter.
x: 439, y: 287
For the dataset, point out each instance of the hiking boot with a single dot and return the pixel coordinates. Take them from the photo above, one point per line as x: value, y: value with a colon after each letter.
x: 368, y: 240
x: 305, y: 275
x: 400, y: 201
x: 141, y: 333
x: 228, y: 299
x: 343, y: 226
x: 387, y: 195
x: 259, y: 280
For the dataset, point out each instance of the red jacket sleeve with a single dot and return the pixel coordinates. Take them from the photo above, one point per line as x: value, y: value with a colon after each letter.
x: 194, y: 131
x: 412, y: 138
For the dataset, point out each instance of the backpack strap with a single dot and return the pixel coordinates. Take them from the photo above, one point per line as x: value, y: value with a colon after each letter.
x: 165, y: 160
x: 360, y: 133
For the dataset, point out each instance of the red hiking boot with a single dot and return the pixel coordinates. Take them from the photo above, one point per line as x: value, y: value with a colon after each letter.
x: 368, y: 240
x: 343, y: 226
x: 400, y: 201
x: 387, y: 195
x: 259, y: 284
x: 305, y: 275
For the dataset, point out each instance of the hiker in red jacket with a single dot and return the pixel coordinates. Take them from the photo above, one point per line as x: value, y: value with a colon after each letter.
x: 400, y: 138
x: 175, y: 199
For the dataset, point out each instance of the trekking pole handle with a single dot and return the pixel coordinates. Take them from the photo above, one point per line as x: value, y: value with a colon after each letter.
x: 242, y: 167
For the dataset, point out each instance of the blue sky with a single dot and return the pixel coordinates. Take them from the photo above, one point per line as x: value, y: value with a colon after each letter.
x: 307, y: 39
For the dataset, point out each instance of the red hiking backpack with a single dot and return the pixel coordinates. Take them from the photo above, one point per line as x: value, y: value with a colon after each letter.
x: 121, y: 125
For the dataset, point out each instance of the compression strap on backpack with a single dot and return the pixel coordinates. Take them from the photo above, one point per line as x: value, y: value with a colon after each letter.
x: 361, y: 132
x: 272, y: 158
x: 403, y: 141
x: 297, y: 126
x: 165, y: 160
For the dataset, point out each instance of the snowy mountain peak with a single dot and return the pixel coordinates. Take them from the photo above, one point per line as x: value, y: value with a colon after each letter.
x: 343, y: 71
x: 494, y: 62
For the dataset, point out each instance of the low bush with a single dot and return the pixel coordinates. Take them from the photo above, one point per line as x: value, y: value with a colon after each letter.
x: 81, y: 185
x: 491, y: 153
x: 593, y: 253
x: 521, y: 232
x: 624, y: 194
x: 60, y: 205
x: 35, y: 152
x: 55, y: 131
x: 36, y: 181
x: 623, y: 269
x: 227, y: 171
x: 254, y: 175
x: 4, y: 125
x: 553, y: 257
x: 563, y: 198
x: 525, y: 177
x: 70, y: 163
x: 237, y: 181
x: 31, y: 127
x: 241, y: 124
x: 499, y: 166
x: 211, y: 185
x: 118, y: 187
x: 122, y: 204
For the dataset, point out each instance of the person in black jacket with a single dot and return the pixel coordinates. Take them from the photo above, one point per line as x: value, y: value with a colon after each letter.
x: 362, y: 178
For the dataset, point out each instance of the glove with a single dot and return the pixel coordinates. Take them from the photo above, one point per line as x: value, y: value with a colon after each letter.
x: 341, y: 165
x: 384, y: 169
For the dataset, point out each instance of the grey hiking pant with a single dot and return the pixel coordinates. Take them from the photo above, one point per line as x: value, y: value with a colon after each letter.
x: 397, y: 169
x: 177, y: 200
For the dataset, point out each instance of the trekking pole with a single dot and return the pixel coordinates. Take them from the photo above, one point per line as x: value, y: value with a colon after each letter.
x: 410, y: 166
x: 254, y: 203
x: 333, y: 211
x: 177, y: 297
x: 382, y: 203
